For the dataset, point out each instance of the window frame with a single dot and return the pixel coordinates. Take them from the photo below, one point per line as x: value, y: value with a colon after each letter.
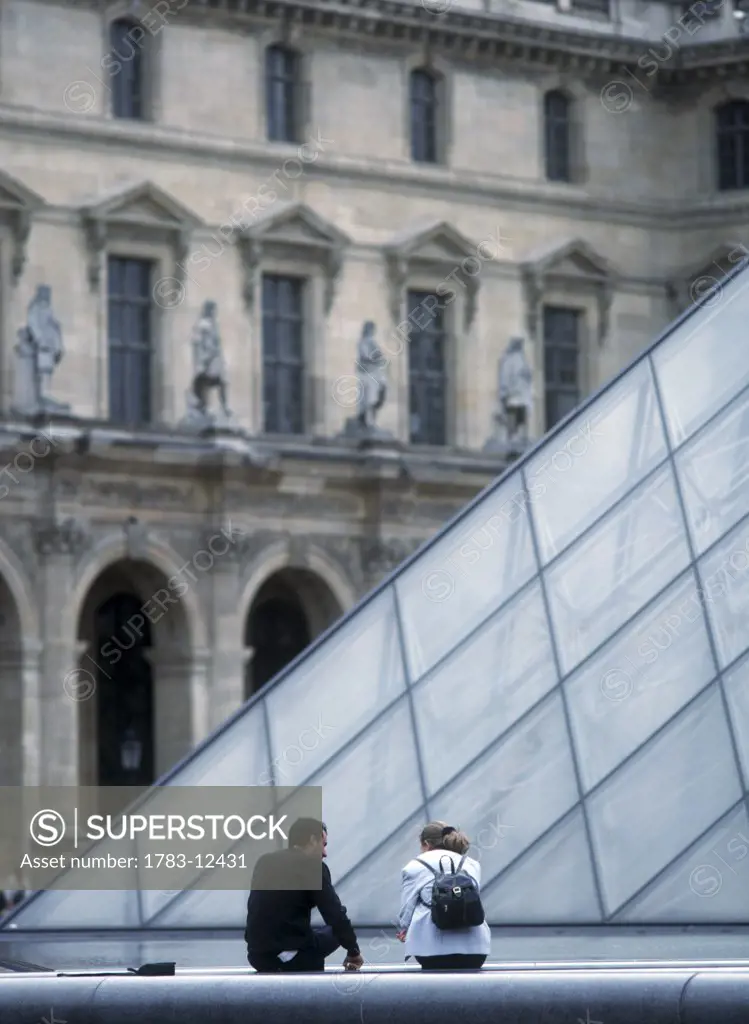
x: 116, y: 63
x: 415, y: 297
x: 292, y: 82
x: 301, y: 285
x: 554, y: 127
x: 144, y: 301
x: 553, y: 386
x: 738, y: 179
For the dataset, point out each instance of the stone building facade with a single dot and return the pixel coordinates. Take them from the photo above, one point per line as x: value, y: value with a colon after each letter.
x: 458, y: 175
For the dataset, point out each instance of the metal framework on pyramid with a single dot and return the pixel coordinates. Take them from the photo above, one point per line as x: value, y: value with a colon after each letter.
x: 563, y: 672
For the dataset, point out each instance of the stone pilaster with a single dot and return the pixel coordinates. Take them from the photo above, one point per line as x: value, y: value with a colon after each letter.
x: 58, y: 546
x: 19, y: 721
x: 228, y: 660
x: 31, y: 718
x: 180, y: 688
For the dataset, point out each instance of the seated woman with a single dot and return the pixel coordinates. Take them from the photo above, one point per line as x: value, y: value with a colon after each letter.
x: 433, y: 948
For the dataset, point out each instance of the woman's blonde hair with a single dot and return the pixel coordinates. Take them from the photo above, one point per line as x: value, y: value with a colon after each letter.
x: 441, y: 836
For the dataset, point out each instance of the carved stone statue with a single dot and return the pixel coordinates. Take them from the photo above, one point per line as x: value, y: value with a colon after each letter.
x: 514, y: 401
x: 209, y: 372
x: 38, y: 350
x: 371, y: 369
x: 371, y: 375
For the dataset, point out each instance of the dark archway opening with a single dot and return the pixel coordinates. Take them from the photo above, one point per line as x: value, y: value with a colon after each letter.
x: 11, y: 690
x: 277, y: 631
x: 125, y: 712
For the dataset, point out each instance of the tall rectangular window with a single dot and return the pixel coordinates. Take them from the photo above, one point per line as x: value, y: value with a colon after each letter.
x: 732, y: 128
x: 129, y: 331
x: 561, y: 362
x: 282, y: 90
x: 427, y: 376
x: 126, y: 39
x: 424, y: 98
x: 283, y: 355
x: 557, y: 131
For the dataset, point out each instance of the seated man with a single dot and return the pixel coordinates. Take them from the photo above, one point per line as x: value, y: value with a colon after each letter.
x: 279, y: 934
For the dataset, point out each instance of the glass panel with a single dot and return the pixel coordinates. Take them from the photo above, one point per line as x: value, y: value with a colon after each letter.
x: 237, y: 757
x: 583, y: 470
x: 736, y: 685
x: 477, y: 566
x: 372, y: 892
x: 313, y: 713
x: 708, y: 884
x: 639, y: 680
x: 714, y: 474
x: 206, y: 908
x: 497, y: 676
x: 701, y: 367
x: 370, y: 789
x: 552, y: 884
x: 57, y: 908
x: 657, y: 804
x: 616, y: 568
x: 725, y: 579
x: 517, y: 791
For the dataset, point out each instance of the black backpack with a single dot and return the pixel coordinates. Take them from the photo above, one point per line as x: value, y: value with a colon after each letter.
x: 456, y: 902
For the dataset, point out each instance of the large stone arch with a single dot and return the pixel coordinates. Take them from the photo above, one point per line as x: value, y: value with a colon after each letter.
x: 163, y: 559
x: 20, y: 649
x: 19, y: 675
x: 308, y: 585
x: 151, y: 667
x: 19, y: 586
x: 281, y: 556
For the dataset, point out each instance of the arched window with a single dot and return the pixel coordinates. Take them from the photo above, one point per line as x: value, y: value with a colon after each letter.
x: 732, y: 138
x: 424, y: 96
x: 127, y: 68
x: 282, y: 93
x: 558, y: 135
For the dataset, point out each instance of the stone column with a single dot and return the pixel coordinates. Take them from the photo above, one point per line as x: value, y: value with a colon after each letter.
x: 180, y: 701
x: 31, y: 717
x: 12, y: 717
x: 58, y: 545
x: 229, y: 656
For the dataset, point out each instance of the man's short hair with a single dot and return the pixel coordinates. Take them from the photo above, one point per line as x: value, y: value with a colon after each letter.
x: 305, y: 829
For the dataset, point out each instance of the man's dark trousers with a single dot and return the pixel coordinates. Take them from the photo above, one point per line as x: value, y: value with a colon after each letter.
x: 306, y: 959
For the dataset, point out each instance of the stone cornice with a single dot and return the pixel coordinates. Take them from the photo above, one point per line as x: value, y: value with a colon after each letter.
x: 460, y: 33
x: 538, y: 197
x: 98, y: 445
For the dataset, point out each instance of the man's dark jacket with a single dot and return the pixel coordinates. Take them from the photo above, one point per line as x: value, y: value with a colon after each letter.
x: 279, y: 919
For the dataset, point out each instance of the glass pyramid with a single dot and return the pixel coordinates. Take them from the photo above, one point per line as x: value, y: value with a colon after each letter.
x: 563, y: 672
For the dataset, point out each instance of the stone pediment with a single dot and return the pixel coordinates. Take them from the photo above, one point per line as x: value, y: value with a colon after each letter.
x: 144, y: 207
x: 576, y: 264
x: 17, y: 206
x: 696, y: 279
x: 717, y: 264
x: 293, y: 227
x: 145, y: 204
x: 437, y: 242
x: 296, y: 224
x: 15, y: 196
x: 572, y: 259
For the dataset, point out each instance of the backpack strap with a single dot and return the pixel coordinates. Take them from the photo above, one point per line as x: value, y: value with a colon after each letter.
x: 460, y: 865
x: 427, y: 865
x: 436, y: 875
x: 452, y: 864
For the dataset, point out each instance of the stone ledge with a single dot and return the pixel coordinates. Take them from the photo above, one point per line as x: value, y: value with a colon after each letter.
x: 517, y: 195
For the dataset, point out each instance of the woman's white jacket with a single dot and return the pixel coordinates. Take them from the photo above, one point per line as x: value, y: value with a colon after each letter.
x: 423, y: 937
